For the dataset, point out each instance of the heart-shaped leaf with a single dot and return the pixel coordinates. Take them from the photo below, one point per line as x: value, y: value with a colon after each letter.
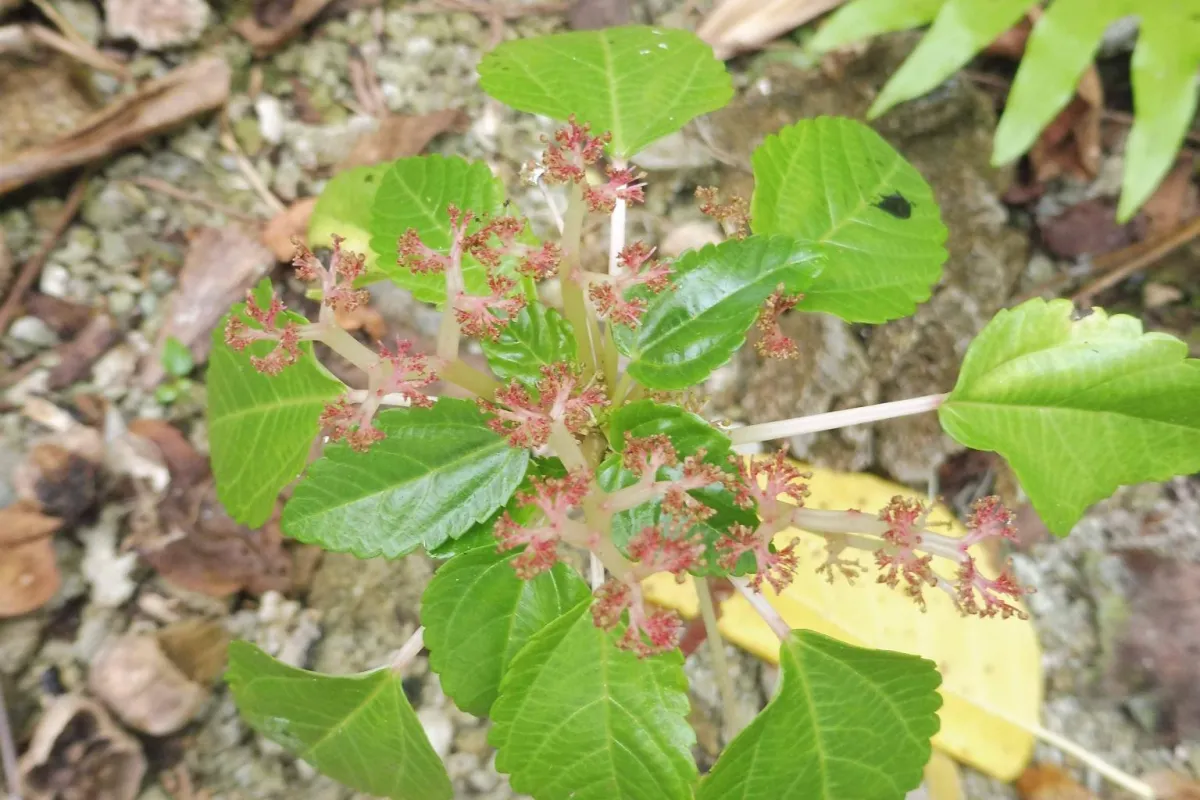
x: 1077, y: 407
x: 580, y: 718
x: 438, y: 472
x: 716, y: 294
x: 357, y: 729
x: 635, y: 82
x: 477, y: 614
x: 261, y: 428
x: 839, y: 189
x: 415, y: 193
x: 847, y: 722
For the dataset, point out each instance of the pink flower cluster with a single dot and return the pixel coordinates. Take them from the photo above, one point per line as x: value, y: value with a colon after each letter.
x: 774, y: 343
x: 638, y: 268
x: 239, y: 335
x: 524, y: 418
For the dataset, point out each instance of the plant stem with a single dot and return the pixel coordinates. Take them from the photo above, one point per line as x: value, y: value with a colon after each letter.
x: 409, y: 650
x: 835, y: 419
x: 623, y: 387
x: 716, y: 647
x: 462, y: 374
x: 8, y: 752
x: 341, y: 342
x: 595, y: 571
x: 616, y: 243
x: 764, y: 609
x: 574, y: 303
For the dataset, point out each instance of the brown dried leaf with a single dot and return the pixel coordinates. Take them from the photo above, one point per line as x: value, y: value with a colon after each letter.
x: 1088, y: 228
x: 363, y: 318
x: 157, y: 106
x: 156, y: 24
x: 29, y: 574
x: 77, y: 357
x: 1070, y: 144
x: 1048, y: 782
x: 65, y: 317
x: 143, y: 687
x: 186, y: 465
x: 590, y: 15
x: 290, y: 223
x: 1175, y: 200
x: 401, y: 135
x: 197, y: 646
x: 60, y: 475
x: 738, y: 26
x: 79, y: 753
x: 6, y: 263
x: 221, y: 264
x: 1011, y: 43
x: 265, y: 38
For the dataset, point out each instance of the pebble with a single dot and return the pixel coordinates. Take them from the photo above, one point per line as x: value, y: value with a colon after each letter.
x: 55, y: 281
x: 438, y: 728
x: 114, y: 251
x: 461, y: 765
x: 270, y: 118
x: 114, y: 370
x: 34, y: 332
x: 120, y: 303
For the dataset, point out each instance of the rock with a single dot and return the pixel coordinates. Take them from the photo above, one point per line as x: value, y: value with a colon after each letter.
x: 116, y: 204
x: 439, y: 729
x: 690, y: 236
x: 143, y: 687
x: 157, y: 24
x: 55, y: 281
x: 33, y: 332
x: 108, y: 570
x: 114, y: 251
x: 947, y: 137
x: 78, y: 752
x: 19, y: 640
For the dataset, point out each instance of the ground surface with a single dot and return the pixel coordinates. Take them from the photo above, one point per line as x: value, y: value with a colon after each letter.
x: 1116, y: 602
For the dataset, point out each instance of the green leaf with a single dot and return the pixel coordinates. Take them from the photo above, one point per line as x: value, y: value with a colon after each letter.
x: 687, y: 431
x: 477, y: 614
x: 579, y: 718
x: 538, y: 336
x: 438, y: 472
x: 357, y: 729
x: 847, y: 723
x: 836, y: 186
x: 344, y: 209
x: 636, y: 82
x: 962, y: 29
x: 1060, y: 47
x: 1163, y: 69
x: 177, y: 358
x: 697, y: 325
x: 1077, y: 407
x: 863, y: 19
x: 414, y: 193
x: 261, y: 428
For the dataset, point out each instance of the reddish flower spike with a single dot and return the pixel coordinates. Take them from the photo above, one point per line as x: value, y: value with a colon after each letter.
x: 239, y: 335
x: 735, y: 214
x: 648, y: 633
x: 658, y: 552
x: 984, y: 597
x: 608, y: 293
x: 774, y: 343
x: 526, y: 422
x: 989, y: 520
x: 762, y: 481
x: 777, y: 568
x: 554, y: 498
x: 410, y: 373
x: 623, y: 184
x: 337, y: 281
x: 476, y: 315
x: 571, y: 151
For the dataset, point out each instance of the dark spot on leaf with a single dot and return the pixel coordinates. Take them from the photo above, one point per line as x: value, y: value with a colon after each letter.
x: 896, y: 205
x: 370, y: 178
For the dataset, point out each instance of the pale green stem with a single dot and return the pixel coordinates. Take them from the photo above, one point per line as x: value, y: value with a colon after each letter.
x: 624, y: 385
x: 835, y: 419
x: 571, y: 271
x: 464, y: 375
x: 716, y: 647
x: 341, y: 342
x: 409, y: 650
x: 764, y: 609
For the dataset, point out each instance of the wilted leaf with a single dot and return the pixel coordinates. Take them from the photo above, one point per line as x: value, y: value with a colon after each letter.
x: 290, y: 223
x: 266, y: 38
x: 29, y: 574
x: 401, y: 136
x: 1048, y: 782
x: 991, y: 670
x: 157, y: 106
x: 204, y: 293
x: 737, y: 26
x: 156, y: 24
x: 143, y: 687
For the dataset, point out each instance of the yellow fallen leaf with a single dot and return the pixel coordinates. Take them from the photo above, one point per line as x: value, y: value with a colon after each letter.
x: 942, y: 780
x: 991, y: 668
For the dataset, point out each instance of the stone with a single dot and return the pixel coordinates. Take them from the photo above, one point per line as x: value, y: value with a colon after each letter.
x: 117, y: 203
x: 157, y: 24
x: 439, y: 729
x: 33, y: 332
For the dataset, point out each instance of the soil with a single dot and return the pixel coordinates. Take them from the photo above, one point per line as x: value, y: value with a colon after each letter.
x: 1107, y: 608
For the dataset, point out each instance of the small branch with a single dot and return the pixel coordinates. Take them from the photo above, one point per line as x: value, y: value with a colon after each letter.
x: 566, y: 448
x: 8, y: 752
x: 1122, y: 779
x: 1116, y: 267
x: 162, y: 187
x: 616, y: 243
x: 595, y: 571
x: 229, y: 142
x: 341, y: 342
x: 764, y: 609
x: 553, y: 206
x: 81, y: 51
x: 574, y: 304
x: 33, y: 267
x: 463, y: 375
x: 835, y: 419
x: 716, y: 647
x: 624, y: 385
x: 409, y: 650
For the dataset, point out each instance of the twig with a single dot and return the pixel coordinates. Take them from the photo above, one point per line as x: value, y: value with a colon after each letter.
x: 162, y: 187
x: 33, y: 267
x: 764, y: 609
x: 51, y: 13
x: 8, y: 752
x: 1116, y: 267
x: 835, y: 419
x: 247, y: 169
x: 409, y: 650
x: 79, y: 50
x: 716, y: 647
x: 595, y: 571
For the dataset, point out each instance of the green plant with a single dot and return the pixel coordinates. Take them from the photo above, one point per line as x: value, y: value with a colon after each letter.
x: 1061, y: 46
x: 591, y: 445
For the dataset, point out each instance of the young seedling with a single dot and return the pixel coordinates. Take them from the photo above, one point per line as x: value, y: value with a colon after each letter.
x: 584, y: 450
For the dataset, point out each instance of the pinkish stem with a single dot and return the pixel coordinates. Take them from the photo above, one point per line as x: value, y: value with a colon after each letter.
x: 835, y: 419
